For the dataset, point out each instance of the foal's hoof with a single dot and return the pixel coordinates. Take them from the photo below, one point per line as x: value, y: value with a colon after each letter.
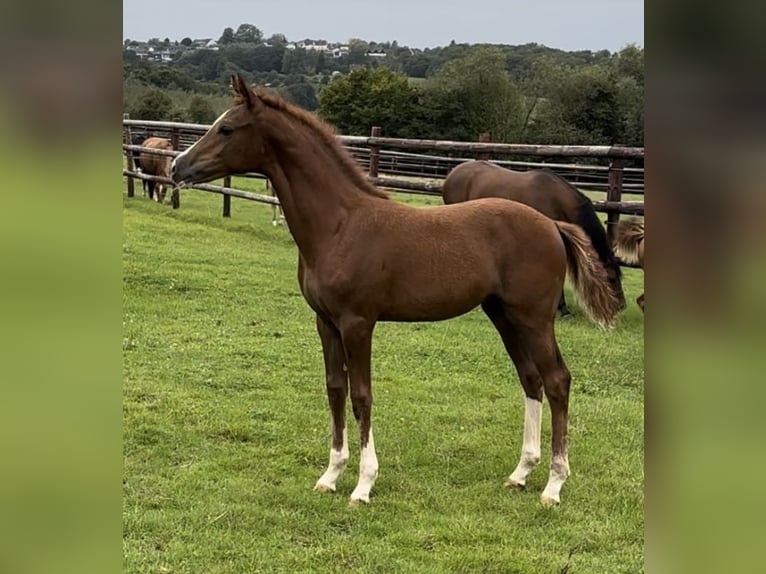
x: 355, y: 501
x: 319, y: 487
x: 512, y: 484
x: 549, y: 502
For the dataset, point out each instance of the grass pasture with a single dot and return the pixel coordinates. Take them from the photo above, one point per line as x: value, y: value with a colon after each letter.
x: 226, y: 426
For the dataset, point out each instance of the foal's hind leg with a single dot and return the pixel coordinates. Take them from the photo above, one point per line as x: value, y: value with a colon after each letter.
x: 337, y: 390
x: 532, y: 384
x: 541, y: 345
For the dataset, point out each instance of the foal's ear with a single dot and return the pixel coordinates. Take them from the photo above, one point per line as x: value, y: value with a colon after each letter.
x: 240, y: 87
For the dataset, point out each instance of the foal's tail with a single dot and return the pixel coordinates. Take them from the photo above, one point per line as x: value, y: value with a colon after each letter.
x: 630, y: 234
x: 588, y: 276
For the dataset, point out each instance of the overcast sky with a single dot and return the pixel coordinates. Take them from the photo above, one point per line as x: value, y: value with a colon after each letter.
x: 564, y: 24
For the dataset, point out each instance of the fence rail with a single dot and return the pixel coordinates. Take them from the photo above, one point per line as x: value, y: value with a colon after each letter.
x: 605, y: 169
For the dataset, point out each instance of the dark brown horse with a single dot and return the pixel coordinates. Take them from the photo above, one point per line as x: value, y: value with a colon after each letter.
x: 629, y: 242
x: 152, y: 164
x: 364, y: 258
x: 548, y: 193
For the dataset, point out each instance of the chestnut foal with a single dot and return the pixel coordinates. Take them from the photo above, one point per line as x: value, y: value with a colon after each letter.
x: 363, y: 259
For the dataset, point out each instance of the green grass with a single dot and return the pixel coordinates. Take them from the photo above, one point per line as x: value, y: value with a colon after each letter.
x: 226, y: 426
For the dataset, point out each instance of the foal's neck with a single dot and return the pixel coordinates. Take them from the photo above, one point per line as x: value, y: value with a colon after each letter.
x: 316, y: 194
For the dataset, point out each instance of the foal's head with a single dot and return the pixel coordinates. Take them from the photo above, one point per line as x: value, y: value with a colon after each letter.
x: 233, y: 144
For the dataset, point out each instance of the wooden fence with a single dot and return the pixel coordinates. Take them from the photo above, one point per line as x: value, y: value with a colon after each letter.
x: 615, y: 170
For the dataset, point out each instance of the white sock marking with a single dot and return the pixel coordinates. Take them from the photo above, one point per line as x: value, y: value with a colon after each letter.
x: 368, y: 472
x: 556, y: 479
x: 338, y: 461
x: 530, y: 450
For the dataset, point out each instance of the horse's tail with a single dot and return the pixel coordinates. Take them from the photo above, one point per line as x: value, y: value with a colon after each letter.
x: 587, y: 218
x: 630, y: 233
x: 588, y: 276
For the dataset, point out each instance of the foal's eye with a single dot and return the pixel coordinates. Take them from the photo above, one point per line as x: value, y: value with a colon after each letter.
x: 225, y: 130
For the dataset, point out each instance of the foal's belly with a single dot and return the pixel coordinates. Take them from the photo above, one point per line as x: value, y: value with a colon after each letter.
x: 432, y: 311
x: 428, y: 293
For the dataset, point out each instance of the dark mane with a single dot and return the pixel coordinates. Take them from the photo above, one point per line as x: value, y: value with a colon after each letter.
x: 327, y: 136
x: 591, y: 224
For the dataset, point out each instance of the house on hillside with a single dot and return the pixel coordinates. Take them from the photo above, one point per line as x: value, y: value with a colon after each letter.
x: 150, y: 54
x: 340, y: 51
x: 205, y: 44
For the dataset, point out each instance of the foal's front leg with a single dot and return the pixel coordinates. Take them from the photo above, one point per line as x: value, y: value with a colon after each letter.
x: 357, y: 341
x: 337, y: 389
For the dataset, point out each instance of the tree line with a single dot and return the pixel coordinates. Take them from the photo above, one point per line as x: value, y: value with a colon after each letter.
x: 519, y: 94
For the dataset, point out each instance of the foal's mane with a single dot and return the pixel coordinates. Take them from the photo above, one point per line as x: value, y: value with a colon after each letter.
x: 326, y: 135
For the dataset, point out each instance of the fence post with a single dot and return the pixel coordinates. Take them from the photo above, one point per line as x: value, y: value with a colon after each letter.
x: 175, y: 197
x: 614, y: 193
x: 129, y: 156
x: 484, y: 137
x: 174, y: 138
x: 374, y: 152
x: 226, y: 198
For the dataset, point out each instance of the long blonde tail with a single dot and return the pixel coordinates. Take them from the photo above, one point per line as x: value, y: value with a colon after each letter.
x: 630, y: 234
x: 588, y: 276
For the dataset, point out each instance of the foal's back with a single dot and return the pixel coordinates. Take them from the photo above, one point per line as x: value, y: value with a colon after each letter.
x: 439, y: 262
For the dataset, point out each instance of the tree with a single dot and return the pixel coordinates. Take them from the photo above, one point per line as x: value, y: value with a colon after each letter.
x: 581, y: 108
x: 630, y: 62
x: 177, y: 115
x: 297, y: 61
x: 628, y: 65
x: 153, y: 105
x: 206, y: 65
x: 543, y: 75
x: 277, y: 40
x: 200, y: 111
x: 630, y: 105
x: 301, y: 94
x: 129, y: 56
x: 365, y: 98
x: 357, y: 51
x: 249, y: 34
x: 186, y: 42
x: 480, y: 91
x: 227, y: 37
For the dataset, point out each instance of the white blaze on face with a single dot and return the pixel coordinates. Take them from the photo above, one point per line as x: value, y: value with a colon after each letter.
x: 530, y: 449
x: 191, y: 147
x: 368, y: 472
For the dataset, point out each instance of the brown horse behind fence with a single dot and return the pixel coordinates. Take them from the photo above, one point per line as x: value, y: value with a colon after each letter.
x: 152, y: 164
x: 364, y: 259
x: 548, y: 193
x: 629, y: 242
